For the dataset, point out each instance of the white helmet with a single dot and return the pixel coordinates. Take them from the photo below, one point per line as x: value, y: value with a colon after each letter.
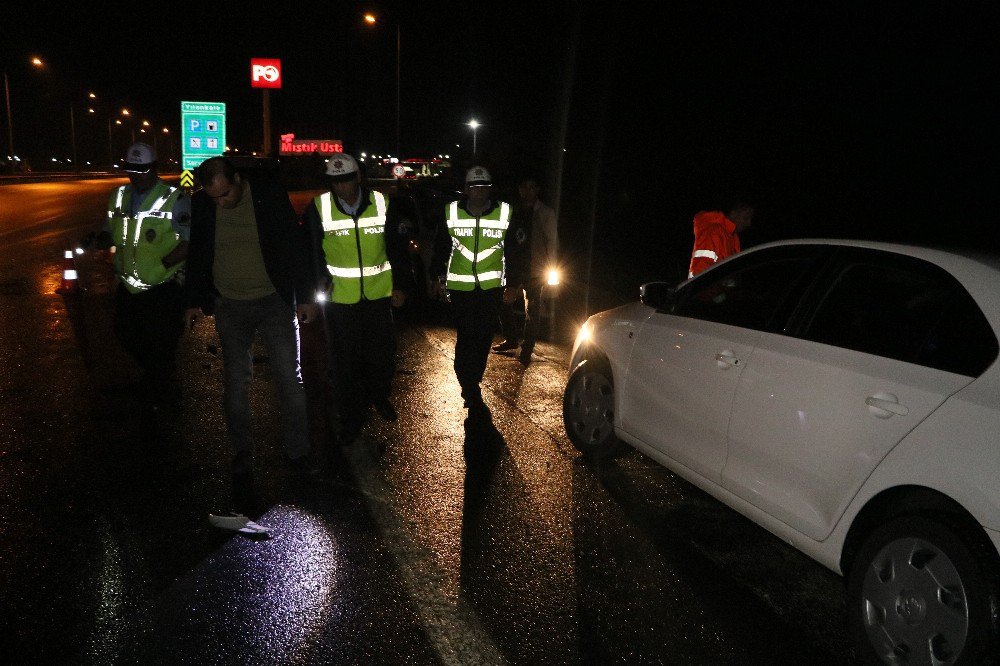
x: 478, y: 175
x: 341, y: 166
x: 139, y: 158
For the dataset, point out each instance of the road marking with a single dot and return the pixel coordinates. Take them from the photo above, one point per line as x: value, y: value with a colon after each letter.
x: 455, y: 631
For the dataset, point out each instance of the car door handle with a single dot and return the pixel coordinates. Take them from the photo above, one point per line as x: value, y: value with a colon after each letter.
x: 726, y: 359
x: 884, y: 405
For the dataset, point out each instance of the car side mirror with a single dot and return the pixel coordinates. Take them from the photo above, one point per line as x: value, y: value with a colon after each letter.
x: 658, y: 295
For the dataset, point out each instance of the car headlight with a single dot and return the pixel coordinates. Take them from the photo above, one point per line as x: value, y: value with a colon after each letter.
x: 553, y: 277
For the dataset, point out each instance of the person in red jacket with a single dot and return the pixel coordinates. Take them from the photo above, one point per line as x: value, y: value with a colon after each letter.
x: 716, y: 236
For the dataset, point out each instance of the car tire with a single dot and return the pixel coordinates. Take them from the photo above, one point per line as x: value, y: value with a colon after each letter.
x: 921, y: 592
x: 588, y: 411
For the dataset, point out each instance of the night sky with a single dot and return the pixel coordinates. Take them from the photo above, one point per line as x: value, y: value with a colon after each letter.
x: 870, y: 120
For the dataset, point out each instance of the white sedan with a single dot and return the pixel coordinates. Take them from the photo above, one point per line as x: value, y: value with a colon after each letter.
x: 845, y: 396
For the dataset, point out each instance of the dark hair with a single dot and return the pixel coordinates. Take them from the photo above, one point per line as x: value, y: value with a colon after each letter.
x: 215, y: 166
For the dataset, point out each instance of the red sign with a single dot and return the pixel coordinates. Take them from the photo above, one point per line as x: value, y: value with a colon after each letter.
x: 325, y: 147
x: 265, y: 72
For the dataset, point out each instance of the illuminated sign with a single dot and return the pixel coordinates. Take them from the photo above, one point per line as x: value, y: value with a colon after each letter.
x: 203, y: 132
x: 325, y: 147
x: 265, y: 73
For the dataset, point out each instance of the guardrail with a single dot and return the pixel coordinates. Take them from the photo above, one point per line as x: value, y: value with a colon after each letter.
x: 55, y: 175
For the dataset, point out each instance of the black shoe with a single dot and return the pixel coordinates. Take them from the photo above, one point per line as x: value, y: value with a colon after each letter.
x: 505, y: 346
x: 242, y: 463
x: 349, y: 435
x: 385, y: 409
x: 304, y: 466
x: 525, y: 355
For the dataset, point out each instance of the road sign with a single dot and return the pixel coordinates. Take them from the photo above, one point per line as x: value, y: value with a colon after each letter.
x: 187, y: 178
x: 203, y: 132
x: 398, y: 171
x: 265, y: 73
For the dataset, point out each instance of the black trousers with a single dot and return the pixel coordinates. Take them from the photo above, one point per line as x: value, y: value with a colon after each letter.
x: 476, y: 315
x: 362, y: 355
x: 149, y: 325
x: 532, y: 313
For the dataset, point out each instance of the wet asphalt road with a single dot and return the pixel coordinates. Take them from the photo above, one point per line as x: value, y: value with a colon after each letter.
x: 435, y: 540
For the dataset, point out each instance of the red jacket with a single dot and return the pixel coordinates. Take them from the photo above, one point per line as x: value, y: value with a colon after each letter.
x: 714, y: 239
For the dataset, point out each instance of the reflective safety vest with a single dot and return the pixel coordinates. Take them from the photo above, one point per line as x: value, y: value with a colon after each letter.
x: 141, y: 242
x: 477, y: 248
x: 355, y: 250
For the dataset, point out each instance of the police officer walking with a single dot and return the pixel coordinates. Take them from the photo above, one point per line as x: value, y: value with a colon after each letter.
x: 365, y: 261
x: 148, y: 224
x: 479, y: 268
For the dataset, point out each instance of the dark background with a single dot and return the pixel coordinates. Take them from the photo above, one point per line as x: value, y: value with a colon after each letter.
x: 869, y: 120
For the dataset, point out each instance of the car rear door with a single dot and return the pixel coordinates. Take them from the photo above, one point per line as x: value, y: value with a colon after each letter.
x: 880, y: 343
x: 687, y: 361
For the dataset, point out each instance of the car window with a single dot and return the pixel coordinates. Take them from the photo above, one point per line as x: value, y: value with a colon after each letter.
x: 902, y: 308
x: 749, y: 290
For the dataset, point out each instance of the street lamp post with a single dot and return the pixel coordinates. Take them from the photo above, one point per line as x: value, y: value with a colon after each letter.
x: 10, y: 118
x: 371, y: 19
x: 72, y: 136
x: 37, y: 62
x: 474, y: 124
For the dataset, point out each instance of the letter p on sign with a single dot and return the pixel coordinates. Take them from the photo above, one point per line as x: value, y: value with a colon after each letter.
x: 265, y: 73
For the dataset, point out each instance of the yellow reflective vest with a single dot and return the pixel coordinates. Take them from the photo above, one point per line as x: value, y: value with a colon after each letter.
x: 355, y: 250
x: 477, y: 256
x: 141, y: 242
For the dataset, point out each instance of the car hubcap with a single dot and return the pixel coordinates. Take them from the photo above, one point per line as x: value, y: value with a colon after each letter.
x: 914, y: 604
x: 591, y: 409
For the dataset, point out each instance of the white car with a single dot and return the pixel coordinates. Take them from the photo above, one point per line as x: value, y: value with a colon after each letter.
x: 844, y: 395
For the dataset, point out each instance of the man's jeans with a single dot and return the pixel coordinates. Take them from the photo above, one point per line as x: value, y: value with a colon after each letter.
x: 237, y: 322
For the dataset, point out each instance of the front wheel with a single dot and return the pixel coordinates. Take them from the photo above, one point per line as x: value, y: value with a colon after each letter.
x: 589, y: 410
x: 918, y: 593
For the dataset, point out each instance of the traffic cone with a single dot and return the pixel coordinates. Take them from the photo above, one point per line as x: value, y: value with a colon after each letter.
x: 70, y: 284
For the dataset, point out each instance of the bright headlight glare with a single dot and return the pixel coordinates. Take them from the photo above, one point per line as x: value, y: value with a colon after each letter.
x: 553, y: 277
x: 321, y: 297
x: 584, y: 334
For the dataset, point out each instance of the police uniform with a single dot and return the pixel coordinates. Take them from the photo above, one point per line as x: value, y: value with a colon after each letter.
x: 363, y: 260
x: 480, y: 263
x: 145, y: 226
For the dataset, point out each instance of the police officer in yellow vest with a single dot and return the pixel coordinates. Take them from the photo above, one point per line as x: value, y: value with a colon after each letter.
x: 364, y: 260
x: 479, y: 268
x: 148, y: 224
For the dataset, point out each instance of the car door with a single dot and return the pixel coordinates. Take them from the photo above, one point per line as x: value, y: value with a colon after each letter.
x: 882, y: 342
x: 687, y: 360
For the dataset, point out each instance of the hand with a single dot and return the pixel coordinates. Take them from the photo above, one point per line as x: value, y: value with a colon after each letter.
x: 511, y: 294
x: 307, y: 312
x: 191, y: 315
x: 398, y: 298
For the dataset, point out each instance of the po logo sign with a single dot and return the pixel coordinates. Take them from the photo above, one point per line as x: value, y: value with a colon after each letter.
x: 265, y: 73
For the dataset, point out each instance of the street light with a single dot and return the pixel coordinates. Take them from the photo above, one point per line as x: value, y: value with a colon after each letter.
x: 371, y: 19
x: 37, y: 62
x: 474, y: 124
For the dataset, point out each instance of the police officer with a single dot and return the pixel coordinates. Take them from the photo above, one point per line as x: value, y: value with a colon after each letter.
x: 148, y: 224
x: 479, y: 268
x: 364, y: 263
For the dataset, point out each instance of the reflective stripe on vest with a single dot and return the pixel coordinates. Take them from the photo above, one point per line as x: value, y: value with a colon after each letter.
x: 145, y: 240
x: 477, y: 256
x: 355, y: 250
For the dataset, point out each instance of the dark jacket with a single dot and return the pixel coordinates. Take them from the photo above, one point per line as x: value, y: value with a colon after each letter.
x: 283, y: 244
x: 516, y: 249
x: 395, y: 242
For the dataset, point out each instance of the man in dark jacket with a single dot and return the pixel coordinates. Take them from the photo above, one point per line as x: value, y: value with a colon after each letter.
x: 248, y: 264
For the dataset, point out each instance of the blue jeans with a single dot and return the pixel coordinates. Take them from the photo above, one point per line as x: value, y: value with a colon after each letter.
x: 237, y: 323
